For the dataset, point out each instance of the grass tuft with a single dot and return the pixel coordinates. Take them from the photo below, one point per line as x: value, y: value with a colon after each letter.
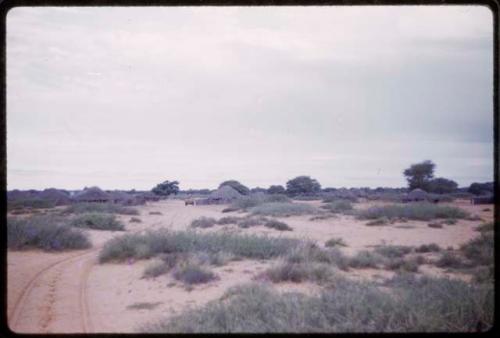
x: 422, y: 211
x: 203, y: 222
x: 97, y: 221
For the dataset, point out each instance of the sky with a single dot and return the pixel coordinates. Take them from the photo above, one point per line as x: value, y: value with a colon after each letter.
x: 125, y: 98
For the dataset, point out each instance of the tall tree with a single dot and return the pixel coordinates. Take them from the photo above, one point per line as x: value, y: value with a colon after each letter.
x: 166, y: 188
x: 419, y: 175
x: 302, y: 185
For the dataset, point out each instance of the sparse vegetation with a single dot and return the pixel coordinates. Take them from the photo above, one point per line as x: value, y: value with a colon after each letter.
x: 97, y: 221
x: 203, y: 222
x: 449, y: 259
x: 250, y: 221
x: 424, y: 248
x: 338, y: 206
x: 300, y: 272
x: 44, y: 232
x: 155, y: 213
x: 280, y: 226
x: 480, y: 250
x: 333, y: 242
x: 110, y: 208
x: 435, y: 225
x: 192, y: 273
x: 228, y: 220
x: 143, y: 306
x: 421, y: 305
x: 156, y: 268
x: 30, y: 203
x: 378, y: 222
x: 283, y: 209
x: 366, y: 259
x: 486, y: 227
x: 135, y: 220
x: 151, y: 243
x: 422, y: 211
x: 393, y: 251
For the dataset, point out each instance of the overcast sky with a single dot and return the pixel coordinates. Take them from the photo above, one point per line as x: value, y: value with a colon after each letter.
x: 128, y: 97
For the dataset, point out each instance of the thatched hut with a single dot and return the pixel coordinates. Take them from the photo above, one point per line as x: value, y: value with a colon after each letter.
x: 122, y: 198
x: 223, y: 195
x: 56, y: 196
x: 416, y: 195
x: 92, y: 195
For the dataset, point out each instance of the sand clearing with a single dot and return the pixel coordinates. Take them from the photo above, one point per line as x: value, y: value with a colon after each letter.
x: 70, y: 292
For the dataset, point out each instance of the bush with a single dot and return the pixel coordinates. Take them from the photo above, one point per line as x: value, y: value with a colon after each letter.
x: 248, y: 222
x: 405, y: 265
x: 423, y: 305
x: 135, y: 220
x: 450, y: 260
x: 433, y: 247
x: 366, y: 259
x: 480, y: 250
x: 333, y: 242
x: 302, y: 185
x: 155, y: 213
x: 283, y: 209
x: 111, y: 208
x: 393, y: 251
x: 30, y: 203
x: 486, y: 227
x: 230, y: 209
x: 422, y: 211
x: 228, y: 220
x: 338, y: 206
x: 378, y: 221
x: 435, y: 225
x: 300, y: 272
x: 155, y: 269
x: 97, y: 221
x: 309, y: 252
x: 148, y: 244
x: 254, y: 200
x: 274, y: 224
x: 203, y: 222
x: 44, y: 232
x: 193, y: 274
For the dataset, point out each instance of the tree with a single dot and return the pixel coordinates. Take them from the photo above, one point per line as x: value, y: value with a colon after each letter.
x: 236, y: 186
x: 302, y: 185
x: 481, y: 188
x: 166, y: 188
x: 441, y: 185
x: 276, y: 189
x: 258, y: 189
x: 418, y: 175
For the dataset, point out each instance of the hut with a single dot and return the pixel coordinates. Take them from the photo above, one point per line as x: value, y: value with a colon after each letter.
x: 224, y: 194
x: 92, y: 195
x: 122, y: 198
x: 416, y: 195
x: 56, y: 196
x: 482, y: 200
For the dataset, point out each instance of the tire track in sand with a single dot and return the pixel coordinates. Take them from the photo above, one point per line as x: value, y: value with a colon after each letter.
x: 49, y: 299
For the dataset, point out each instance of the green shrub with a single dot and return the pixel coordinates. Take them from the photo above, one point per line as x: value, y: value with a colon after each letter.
x: 422, y: 211
x: 300, y: 272
x: 228, y: 220
x: 283, y: 209
x: 450, y: 260
x: 203, y: 222
x: 393, y: 251
x: 338, y: 206
x: 423, y: 305
x: 366, y: 259
x: 156, y: 268
x: 274, y: 224
x: 248, y: 222
x: 333, y: 242
x: 44, y: 232
x: 433, y: 247
x: 378, y: 221
x: 111, y: 208
x: 30, y: 203
x: 486, y: 227
x: 435, y: 225
x: 97, y: 221
x: 480, y: 250
x: 193, y: 274
x: 165, y: 241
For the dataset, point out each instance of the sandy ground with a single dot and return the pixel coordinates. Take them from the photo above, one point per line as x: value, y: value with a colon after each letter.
x: 70, y: 292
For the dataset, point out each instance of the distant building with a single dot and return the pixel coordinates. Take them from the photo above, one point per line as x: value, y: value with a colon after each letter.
x: 223, y: 195
x: 416, y: 195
